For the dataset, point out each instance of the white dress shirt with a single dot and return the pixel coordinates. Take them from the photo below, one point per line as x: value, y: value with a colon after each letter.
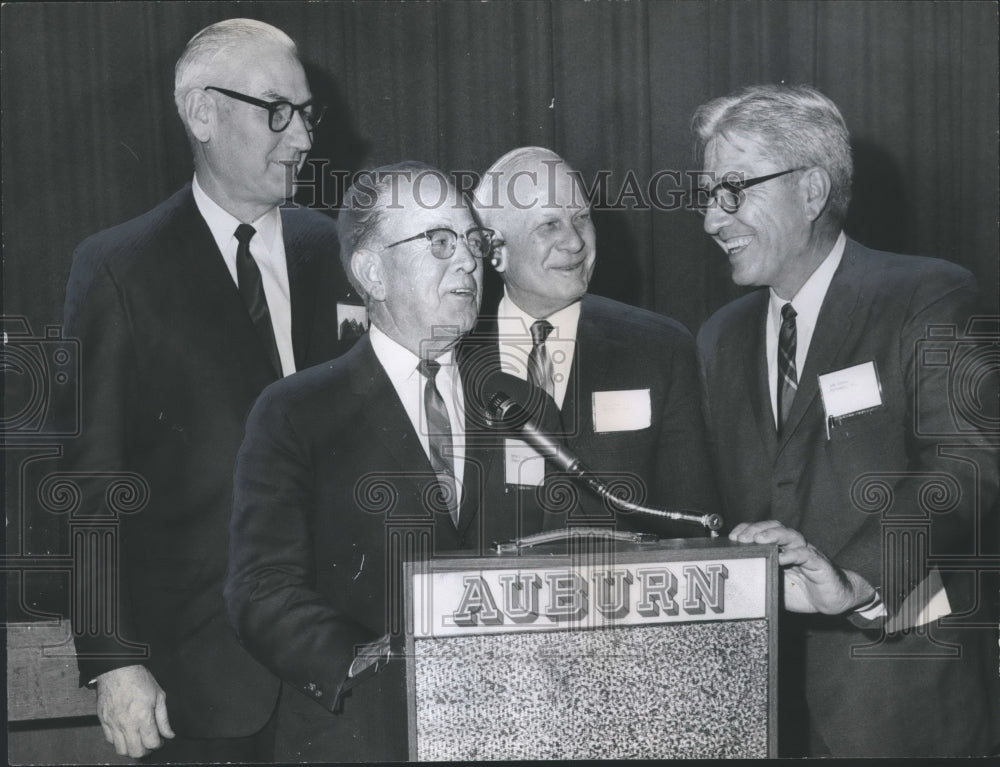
x: 807, y: 303
x: 514, y: 326
x: 268, y: 249
x: 400, y: 364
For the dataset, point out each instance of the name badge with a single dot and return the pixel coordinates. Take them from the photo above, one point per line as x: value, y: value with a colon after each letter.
x: 627, y: 410
x: 352, y: 321
x: 523, y: 466
x: 850, y: 391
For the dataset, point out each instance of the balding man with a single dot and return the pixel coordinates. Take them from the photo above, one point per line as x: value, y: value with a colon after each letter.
x: 624, y: 380
x: 351, y: 466
x: 184, y: 315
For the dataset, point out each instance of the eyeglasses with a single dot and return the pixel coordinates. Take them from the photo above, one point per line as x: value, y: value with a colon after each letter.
x: 730, y: 193
x: 279, y: 113
x: 444, y: 241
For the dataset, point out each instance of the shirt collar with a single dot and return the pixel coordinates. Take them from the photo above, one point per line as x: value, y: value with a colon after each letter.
x: 398, y: 361
x: 809, y: 299
x: 514, y: 320
x: 223, y: 224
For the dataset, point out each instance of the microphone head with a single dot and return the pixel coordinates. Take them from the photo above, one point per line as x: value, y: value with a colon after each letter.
x: 498, y: 409
x: 497, y: 404
x: 713, y: 522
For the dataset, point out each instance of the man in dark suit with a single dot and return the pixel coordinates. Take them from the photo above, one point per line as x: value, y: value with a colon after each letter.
x: 181, y: 326
x: 624, y: 380
x: 834, y: 438
x: 353, y: 465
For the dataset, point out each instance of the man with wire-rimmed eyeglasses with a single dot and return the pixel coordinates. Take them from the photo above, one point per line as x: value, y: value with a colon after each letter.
x: 350, y: 466
x: 184, y: 315
x: 830, y: 403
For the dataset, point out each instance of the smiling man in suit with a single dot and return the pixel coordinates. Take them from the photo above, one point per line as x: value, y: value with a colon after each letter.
x: 353, y: 465
x: 624, y: 381
x: 184, y: 315
x: 826, y: 420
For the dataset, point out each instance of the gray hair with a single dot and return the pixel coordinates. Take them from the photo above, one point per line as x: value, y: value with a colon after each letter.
x: 793, y: 124
x: 213, y: 45
x: 364, y: 206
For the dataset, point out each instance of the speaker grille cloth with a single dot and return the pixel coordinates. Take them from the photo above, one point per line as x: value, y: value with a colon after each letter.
x: 605, y: 693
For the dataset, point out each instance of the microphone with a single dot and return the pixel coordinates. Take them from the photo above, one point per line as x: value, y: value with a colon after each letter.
x: 502, y: 410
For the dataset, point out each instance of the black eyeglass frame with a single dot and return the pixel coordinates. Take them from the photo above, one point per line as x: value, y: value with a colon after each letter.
x: 311, y: 118
x: 737, y: 188
x: 428, y: 235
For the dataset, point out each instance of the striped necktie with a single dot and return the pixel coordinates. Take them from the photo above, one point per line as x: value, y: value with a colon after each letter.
x: 787, y: 378
x: 540, y: 371
x: 439, y: 440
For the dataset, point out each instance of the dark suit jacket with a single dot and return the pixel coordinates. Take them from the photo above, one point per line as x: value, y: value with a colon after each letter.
x: 170, y: 368
x: 666, y: 465
x: 332, y: 491
x: 853, y: 496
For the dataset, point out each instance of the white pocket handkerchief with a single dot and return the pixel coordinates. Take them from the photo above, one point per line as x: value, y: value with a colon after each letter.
x: 627, y: 410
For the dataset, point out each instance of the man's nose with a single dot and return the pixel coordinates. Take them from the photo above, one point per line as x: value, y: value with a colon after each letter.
x: 573, y: 241
x: 298, y: 134
x: 463, y: 258
x: 715, y: 218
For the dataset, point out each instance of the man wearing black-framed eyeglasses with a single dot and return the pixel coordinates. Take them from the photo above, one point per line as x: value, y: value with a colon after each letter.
x: 828, y: 402
x: 184, y: 315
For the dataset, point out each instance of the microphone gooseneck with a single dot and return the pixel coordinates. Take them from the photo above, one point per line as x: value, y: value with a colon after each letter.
x: 502, y: 410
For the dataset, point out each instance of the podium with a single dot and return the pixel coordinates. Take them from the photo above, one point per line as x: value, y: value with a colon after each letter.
x: 594, y: 648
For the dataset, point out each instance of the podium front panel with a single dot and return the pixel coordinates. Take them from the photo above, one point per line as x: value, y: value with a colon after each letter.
x: 659, y: 650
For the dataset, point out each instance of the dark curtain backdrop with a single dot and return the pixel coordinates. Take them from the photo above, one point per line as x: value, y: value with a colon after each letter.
x: 91, y: 138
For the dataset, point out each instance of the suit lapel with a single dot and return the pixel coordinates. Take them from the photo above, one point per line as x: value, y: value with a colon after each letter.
x: 212, y: 290
x: 588, y: 373
x: 301, y: 287
x: 391, y: 425
x: 834, y: 325
x: 755, y: 375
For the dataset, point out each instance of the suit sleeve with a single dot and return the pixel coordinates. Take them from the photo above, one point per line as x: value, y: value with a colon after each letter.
x: 95, y: 313
x: 685, y: 477
x: 948, y: 494
x: 272, y: 602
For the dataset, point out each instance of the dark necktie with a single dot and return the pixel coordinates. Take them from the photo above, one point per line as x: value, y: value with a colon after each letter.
x: 539, y: 363
x: 439, y: 437
x: 787, y: 379
x: 252, y: 289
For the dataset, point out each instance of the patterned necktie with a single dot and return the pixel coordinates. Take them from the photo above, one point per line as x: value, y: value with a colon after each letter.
x: 252, y: 289
x: 540, y: 371
x: 439, y: 437
x: 787, y: 379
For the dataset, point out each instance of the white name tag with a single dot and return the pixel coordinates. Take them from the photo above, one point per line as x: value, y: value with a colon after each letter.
x: 523, y: 465
x: 627, y: 410
x: 851, y: 390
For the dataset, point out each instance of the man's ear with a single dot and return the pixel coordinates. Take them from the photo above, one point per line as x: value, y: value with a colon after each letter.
x: 200, y: 113
x: 498, y: 259
x: 366, y: 267
x: 816, y: 182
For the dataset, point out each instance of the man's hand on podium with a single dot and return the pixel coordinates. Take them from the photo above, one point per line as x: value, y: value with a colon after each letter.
x: 811, y: 582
